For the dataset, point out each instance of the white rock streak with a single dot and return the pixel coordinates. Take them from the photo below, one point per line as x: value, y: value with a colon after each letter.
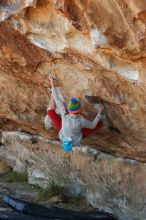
x: 97, y: 38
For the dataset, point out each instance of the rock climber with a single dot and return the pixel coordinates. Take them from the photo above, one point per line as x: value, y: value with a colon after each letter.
x: 70, y: 123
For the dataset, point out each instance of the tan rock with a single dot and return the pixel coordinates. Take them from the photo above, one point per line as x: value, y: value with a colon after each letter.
x: 94, y: 48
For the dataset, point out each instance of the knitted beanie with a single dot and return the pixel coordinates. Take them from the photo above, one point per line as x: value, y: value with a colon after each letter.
x: 74, y: 106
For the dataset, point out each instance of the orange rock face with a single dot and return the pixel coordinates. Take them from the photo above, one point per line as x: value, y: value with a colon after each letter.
x: 94, y: 48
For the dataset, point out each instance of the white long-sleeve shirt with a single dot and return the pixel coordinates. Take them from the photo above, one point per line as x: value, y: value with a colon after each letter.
x: 72, y: 124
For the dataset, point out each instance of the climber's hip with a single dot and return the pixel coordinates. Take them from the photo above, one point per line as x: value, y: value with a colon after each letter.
x: 56, y: 120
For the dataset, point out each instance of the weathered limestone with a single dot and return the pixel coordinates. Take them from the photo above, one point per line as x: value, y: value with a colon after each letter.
x: 112, y: 184
x: 94, y: 48
x: 4, y: 168
x: 9, y: 7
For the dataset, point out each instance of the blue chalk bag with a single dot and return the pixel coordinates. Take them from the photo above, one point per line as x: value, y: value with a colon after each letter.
x: 67, y: 144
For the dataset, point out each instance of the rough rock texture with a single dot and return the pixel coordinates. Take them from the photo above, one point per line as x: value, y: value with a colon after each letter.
x: 4, y: 168
x: 112, y: 184
x: 94, y: 48
x: 10, y: 7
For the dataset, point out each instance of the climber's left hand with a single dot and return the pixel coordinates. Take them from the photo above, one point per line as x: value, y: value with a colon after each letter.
x: 51, y: 78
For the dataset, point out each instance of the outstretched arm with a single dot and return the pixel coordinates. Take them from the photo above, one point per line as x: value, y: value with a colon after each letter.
x: 56, y: 97
x: 92, y: 124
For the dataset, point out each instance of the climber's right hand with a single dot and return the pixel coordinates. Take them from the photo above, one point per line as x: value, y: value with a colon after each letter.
x: 101, y: 108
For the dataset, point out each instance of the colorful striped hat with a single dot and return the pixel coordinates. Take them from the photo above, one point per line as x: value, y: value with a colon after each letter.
x: 74, y: 106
